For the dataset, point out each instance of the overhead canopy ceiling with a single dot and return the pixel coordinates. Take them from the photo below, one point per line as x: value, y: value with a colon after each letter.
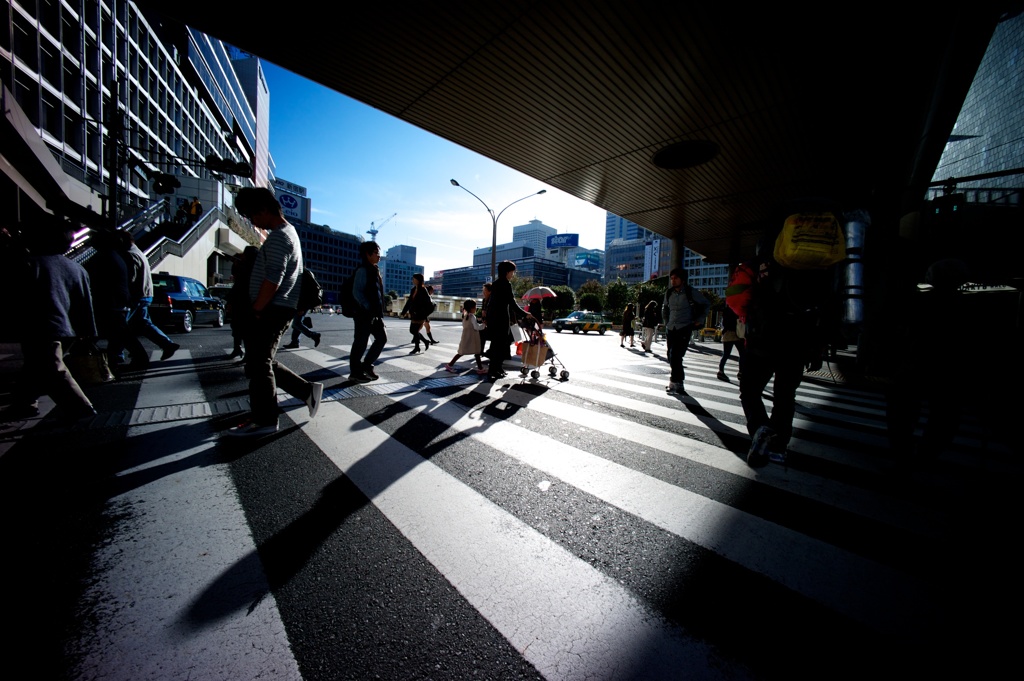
x: 853, y: 104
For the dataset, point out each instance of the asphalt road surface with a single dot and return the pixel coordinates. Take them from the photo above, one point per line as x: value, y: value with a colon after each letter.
x: 431, y: 525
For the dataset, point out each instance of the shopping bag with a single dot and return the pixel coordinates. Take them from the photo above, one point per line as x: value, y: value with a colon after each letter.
x: 518, y: 334
x: 87, y: 363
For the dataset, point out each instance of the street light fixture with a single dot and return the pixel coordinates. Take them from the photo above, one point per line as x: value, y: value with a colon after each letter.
x: 494, y: 221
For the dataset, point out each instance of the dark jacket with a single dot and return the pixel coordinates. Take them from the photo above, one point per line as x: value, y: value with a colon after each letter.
x: 368, y: 290
x: 503, y: 308
x: 418, y: 306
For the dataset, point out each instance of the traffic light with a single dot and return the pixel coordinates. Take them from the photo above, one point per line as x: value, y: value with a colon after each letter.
x: 217, y: 164
x: 165, y: 184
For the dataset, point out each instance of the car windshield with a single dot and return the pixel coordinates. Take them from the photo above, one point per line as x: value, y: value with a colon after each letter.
x: 575, y: 315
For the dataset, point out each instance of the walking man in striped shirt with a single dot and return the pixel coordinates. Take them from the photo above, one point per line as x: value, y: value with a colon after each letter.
x: 274, y: 295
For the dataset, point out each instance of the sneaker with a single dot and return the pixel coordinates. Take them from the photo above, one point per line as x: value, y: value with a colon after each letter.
x: 757, y: 455
x: 290, y: 346
x: 316, y: 341
x: 777, y: 457
x: 169, y: 351
x: 673, y: 387
x: 370, y: 373
x: 481, y: 371
x: 251, y: 429
x: 449, y: 367
x: 359, y: 378
x: 314, y: 398
x: 723, y: 377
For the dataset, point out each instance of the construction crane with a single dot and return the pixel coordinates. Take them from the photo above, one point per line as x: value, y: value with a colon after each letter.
x: 374, y: 228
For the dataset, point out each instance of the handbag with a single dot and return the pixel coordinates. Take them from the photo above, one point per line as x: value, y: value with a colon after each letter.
x: 741, y: 329
x: 87, y: 363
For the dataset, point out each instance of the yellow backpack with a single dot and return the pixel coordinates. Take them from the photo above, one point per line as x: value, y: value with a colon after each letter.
x: 810, y: 241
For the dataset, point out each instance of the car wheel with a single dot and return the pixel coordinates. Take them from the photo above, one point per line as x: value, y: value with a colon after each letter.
x: 558, y: 329
x: 219, y: 321
x: 186, y: 322
x: 602, y: 331
x: 575, y: 329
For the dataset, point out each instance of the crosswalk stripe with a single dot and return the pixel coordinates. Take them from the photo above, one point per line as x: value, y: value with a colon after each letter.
x: 836, y: 578
x: 565, y: 617
x: 187, y: 520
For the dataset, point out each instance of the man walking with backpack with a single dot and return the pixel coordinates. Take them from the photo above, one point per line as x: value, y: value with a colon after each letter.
x: 274, y: 288
x: 787, y: 316
x: 683, y: 311
x: 368, y: 315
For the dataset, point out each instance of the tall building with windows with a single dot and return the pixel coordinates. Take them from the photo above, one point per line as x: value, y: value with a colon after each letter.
x: 331, y: 255
x: 620, y: 228
x: 84, y: 73
x: 649, y: 256
x: 397, y: 267
x: 534, y: 234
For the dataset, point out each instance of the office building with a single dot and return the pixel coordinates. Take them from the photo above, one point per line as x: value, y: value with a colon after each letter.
x: 514, y: 251
x: 533, y: 234
x: 397, y: 267
x: 620, y: 228
x: 331, y: 255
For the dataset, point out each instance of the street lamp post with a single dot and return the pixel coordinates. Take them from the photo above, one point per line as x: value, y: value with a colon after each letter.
x: 494, y: 221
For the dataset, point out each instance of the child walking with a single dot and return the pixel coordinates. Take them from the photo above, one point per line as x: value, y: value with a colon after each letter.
x: 470, y: 343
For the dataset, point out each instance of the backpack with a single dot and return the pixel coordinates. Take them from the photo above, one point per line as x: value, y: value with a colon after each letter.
x: 349, y: 305
x: 311, y: 293
x: 810, y: 241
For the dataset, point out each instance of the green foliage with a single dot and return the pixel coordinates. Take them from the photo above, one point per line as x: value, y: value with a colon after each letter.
x: 619, y: 294
x: 593, y: 288
x: 563, y: 304
x: 590, y: 301
x: 646, y: 292
x: 521, y: 285
x: 393, y: 294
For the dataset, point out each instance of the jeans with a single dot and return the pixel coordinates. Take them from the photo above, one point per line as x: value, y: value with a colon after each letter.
x: 756, y: 369
x: 727, y: 350
x: 299, y: 327
x: 678, y: 341
x: 365, y: 327
x: 262, y: 369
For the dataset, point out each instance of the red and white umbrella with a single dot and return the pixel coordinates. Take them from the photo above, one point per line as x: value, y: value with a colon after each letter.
x: 539, y: 293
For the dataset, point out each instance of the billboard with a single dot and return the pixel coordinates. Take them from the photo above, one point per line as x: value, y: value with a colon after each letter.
x: 563, y: 241
x: 293, y: 206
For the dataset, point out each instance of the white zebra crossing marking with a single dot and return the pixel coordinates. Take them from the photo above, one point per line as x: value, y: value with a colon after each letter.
x: 565, y: 617
x: 187, y: 520
x: 845, y: 582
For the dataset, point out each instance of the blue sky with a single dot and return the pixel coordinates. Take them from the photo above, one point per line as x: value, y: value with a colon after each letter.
x: 360, y: 165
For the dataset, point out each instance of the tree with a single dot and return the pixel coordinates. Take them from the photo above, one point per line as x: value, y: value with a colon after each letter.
x: 521, y: 285
x: 619, y: 295
x: 564, y: 303
x: 646, y: 292
x: 595, y: 293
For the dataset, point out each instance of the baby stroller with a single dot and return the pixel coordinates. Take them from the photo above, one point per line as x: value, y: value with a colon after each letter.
x: 536, y: 351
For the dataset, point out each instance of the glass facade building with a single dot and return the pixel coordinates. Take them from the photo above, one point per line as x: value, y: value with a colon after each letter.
x: 82, y: 70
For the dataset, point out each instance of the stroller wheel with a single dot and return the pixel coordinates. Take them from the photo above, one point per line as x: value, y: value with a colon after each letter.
x: 535, y: 374
x: 552, y: 371
x: 565, y: 375
x: 523, y: 371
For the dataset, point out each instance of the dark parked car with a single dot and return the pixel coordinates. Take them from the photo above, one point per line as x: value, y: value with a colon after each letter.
x: 179, y: 302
